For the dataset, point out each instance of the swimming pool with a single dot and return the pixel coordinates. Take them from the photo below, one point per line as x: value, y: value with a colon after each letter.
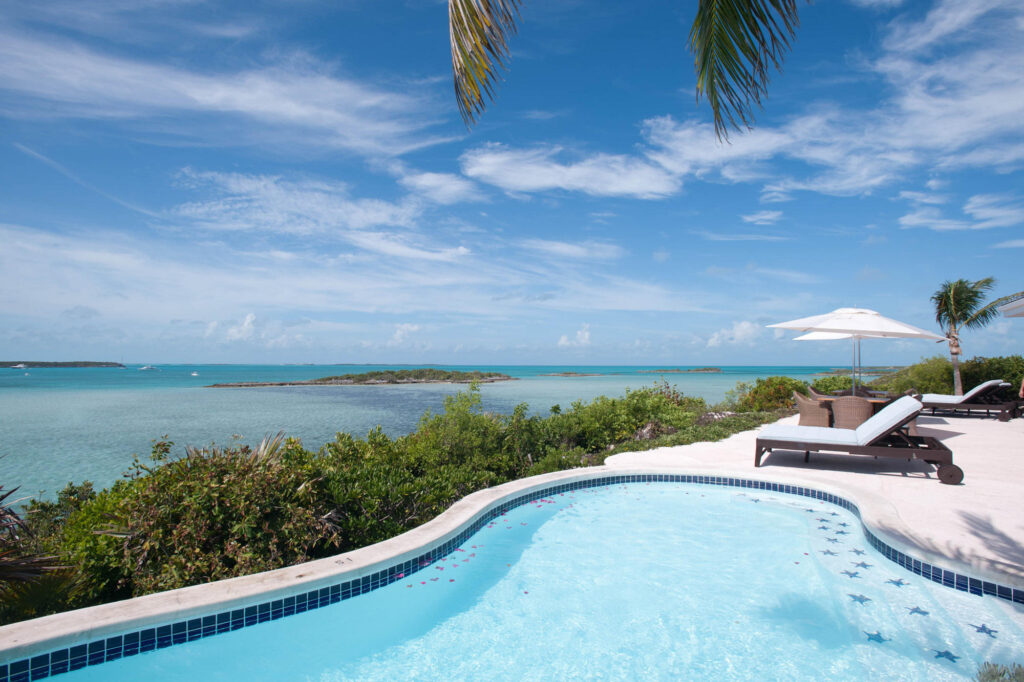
x: 652, y: 580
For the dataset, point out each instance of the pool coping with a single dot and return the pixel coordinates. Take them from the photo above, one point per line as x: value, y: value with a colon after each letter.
x: 98, y: 633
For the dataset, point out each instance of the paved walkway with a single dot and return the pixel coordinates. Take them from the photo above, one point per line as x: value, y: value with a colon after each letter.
x: 976, y: 527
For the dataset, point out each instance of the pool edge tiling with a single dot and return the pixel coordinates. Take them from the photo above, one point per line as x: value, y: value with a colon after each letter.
x: 34, y: 660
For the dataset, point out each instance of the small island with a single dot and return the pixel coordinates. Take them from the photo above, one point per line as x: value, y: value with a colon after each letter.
x: 696, y: 370
x: 381, y: 377
x: 31, y: 364
x: 571, y: 374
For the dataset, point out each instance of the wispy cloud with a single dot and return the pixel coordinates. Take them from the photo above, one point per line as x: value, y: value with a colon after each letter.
x: 66, y: 172
x: 735, y: 237
x: 539, y: 169
x: 295, y: 101
x: 1010, y: 244
x: 441, y: 188
x: 762, y: 217
x: 985, y: 210
x: 577, y: 251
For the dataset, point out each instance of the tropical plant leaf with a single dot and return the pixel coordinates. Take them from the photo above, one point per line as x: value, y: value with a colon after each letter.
x: 479, y: 31
x: 735, y: 42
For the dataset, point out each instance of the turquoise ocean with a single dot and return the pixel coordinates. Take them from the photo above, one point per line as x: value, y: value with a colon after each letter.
x: 76, y: 424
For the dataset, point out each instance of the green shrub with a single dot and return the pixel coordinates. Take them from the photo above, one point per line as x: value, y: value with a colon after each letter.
x: 773, y: 393
x: 931, y: 375
x: 979, y: 370
x: 224, y: 512
x: 835, y: 382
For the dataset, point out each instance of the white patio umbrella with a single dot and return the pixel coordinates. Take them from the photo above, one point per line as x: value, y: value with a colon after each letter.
x: 1013, y: 308
x: 832, y: 336
x: 858, y: 323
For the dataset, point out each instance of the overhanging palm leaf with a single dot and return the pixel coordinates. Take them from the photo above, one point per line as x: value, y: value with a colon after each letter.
x: 733, y: 42
x: 479, y: 31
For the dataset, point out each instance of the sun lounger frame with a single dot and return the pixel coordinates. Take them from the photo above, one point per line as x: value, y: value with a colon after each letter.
x: 895, y: 444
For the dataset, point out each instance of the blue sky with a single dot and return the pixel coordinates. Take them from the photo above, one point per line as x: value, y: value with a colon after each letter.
x: 189, y: 181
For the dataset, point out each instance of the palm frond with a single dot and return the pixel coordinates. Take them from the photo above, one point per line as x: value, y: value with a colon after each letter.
x: 479, y: 31
x: 990, y: 311
x: 735, y: 42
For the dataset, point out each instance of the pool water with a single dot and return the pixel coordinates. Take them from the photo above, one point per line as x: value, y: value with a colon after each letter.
x: 635, y: 581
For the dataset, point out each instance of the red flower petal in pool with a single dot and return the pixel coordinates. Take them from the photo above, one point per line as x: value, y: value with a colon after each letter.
x: 433, y: 580
x: 400, y: 575
x: 451, y: 580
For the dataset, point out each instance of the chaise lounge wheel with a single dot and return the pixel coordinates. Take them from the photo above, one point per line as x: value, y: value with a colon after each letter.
x: 951, y: 474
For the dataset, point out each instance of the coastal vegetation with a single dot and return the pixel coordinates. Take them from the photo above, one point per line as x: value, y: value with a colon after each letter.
x: 396, y: 376
x: 218, y: 512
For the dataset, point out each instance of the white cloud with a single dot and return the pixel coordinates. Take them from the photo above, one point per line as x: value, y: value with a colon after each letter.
x: 877, y: 4
x: 402, y: 332
x: 724, y: 237
x: 762, y: 217
x: 661, y: 255
x: 946, y: 19
x: 924, y: 197
x: 582, y: 338
x: 55, y: 77
x: 740, y: 334
x: 1010, y: 244
x: 398, y: 247
x: 441, y: 188
x: 265, y: 203
x: 588, y: 250
x: 538, y: 170
x: 243, y: 331
x: 986, y: 211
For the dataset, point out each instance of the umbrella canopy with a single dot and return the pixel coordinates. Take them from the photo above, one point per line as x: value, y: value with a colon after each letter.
x: 858, y: 322
x: 1013, y: 308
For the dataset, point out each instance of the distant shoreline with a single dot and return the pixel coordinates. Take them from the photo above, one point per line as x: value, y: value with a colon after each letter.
x: 380, y: 378
x: 698, y: 370
x: 30, y: 364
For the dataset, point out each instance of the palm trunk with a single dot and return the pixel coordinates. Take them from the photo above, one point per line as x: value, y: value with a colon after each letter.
x: 958, y: 387
x: 954, y: 355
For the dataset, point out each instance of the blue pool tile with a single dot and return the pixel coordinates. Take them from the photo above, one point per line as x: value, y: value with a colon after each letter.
x: 19, y: 671
x: 1018, y: 596
x: 97, y: 653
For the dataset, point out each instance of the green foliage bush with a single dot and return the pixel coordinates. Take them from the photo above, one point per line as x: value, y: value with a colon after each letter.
x: 979, y: 370
x: 931, y: 375
x: 224, y: 512
x: 835, y: 382
x: 772, y: 393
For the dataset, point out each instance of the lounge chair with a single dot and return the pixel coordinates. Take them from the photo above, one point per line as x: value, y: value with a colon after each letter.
x: 883, y: 435
x: 812, y: 413
x: 983, y: 397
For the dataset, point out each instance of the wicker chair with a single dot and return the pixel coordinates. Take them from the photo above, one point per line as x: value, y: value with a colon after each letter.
x: 812, y: 413
x: 816, y: 395
x: 849, y: 412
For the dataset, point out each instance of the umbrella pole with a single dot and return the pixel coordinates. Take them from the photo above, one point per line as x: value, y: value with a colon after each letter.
x: 853, y: 367
x: 860, y: 364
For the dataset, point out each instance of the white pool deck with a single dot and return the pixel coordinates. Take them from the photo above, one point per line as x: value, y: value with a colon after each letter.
x: 976, y: 527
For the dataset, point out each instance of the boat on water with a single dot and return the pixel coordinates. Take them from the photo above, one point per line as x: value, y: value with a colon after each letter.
x: 147, y: 367
x: 19, y: 366
x: 195, y: 374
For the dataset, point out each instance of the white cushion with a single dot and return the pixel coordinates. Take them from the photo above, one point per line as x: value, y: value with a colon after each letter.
x: 887, y: 419
x: 943, y: 399
x: 981, y: 387
x: 808, y: 434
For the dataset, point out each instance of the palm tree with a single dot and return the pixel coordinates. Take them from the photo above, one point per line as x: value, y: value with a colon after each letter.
x: 734, y: 43
x: 958, y: 305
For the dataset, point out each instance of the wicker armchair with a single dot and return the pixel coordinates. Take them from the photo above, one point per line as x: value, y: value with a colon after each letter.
x: 849, y: 412
x: 815, y: 395
x: 812, y: 413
